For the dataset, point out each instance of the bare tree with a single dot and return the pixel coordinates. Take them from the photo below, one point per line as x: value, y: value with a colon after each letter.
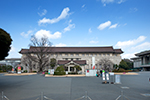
x: 27, y: 61
x: 106, y: 64
x: 39, y: 50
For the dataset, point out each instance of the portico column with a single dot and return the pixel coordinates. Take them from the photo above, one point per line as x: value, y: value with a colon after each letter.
x: 143, y: 60
x: 68, y: 68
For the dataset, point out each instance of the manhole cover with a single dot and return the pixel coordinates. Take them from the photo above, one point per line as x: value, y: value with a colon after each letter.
x: 146, y: 94
x: 124, y: 87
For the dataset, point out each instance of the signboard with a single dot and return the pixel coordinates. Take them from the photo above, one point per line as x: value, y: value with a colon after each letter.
x: 50, y: 71
x: 107, y: 76
x: 111, y: 73
x: 91, y: 72
x: 19, y: 69
x: 117, y: 79
x: 103, y: 75
x: 93, y: 62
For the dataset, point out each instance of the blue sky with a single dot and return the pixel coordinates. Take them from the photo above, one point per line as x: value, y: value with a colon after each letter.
x: 122, y: 24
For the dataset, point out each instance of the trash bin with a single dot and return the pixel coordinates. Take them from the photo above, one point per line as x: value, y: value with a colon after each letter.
x: 117, y: 79
x: 112, y: 78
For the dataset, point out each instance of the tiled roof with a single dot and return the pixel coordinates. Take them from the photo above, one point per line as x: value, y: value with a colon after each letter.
x: 72, y: 50
x: 143, y: 53
x: 63, y: 62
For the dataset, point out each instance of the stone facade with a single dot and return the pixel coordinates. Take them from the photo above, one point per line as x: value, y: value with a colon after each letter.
x: 73, y: 56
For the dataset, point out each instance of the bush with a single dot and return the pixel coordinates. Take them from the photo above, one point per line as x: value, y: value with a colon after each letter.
x: 25, y: 71
x: 34, y: 71
x: 60, y: 71
x: 72, y: 73
x: 121, y: 70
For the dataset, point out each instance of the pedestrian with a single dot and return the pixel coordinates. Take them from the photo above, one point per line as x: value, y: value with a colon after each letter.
x: 101, y: 73
x: 97, y: 74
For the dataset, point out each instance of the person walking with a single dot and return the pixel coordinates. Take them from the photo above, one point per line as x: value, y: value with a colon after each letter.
x: 101, y: 73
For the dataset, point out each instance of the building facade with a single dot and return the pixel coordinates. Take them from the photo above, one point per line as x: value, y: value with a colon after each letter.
x: 81, y: 56
x: 142, y: 60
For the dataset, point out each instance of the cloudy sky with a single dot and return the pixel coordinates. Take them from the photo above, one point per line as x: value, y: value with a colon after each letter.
x: 122, y: 24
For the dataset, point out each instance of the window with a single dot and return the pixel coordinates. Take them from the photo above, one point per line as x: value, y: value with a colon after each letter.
x: 99, y: 54
x: 66, y: 54
x: 82, y: 54
x: 66, y: 58
x: 77, y: 54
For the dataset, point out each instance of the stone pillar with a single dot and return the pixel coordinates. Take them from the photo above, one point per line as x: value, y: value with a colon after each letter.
x: 144, y: 60
x: 68, y: 68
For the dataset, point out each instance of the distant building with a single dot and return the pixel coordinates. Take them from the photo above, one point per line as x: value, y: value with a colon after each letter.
x: 82, y: 56
x: 142, y: 60
x: 10, y: 61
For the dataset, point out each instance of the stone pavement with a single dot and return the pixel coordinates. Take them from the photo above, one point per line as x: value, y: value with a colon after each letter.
x: 30, y: 87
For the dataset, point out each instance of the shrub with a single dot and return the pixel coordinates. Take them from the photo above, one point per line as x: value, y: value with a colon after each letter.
x: 72, y: 73
x: 121, y: 70
x: 128, y: 70
x: 25, y: 71
x: 60, y: 71
x: 34, y: 71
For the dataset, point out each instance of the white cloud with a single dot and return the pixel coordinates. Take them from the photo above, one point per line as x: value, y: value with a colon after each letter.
x: 113, y: 26
x: 142, y: 47
x: 60, y: 45
x: 132, y: 10
x: 69, y: 27
x: 130, y: 42
x: 125, y: 24
x: 121, y: 1
x: 90, y: 31
x: 83, y: 6
x: 13, y: 53
x: 44, y: 11
x: 63, y: 15
x: 104, y: 25
x: 112, y: 1
x: 107, y: 1
x: 128, y: 55
x: 48, y: 34
x: 136, y: 49
x: 25, y: 35
x: 104, y: 5
x: 93, y: 42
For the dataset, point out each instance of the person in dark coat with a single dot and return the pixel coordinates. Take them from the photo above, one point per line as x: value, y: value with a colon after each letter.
x: 101, y: 73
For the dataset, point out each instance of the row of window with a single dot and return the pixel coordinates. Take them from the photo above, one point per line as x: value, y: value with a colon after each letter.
x: 83, y: 54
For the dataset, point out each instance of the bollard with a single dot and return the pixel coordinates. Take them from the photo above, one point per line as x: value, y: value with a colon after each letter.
x: 41, y: 95
x: 122, y: 96
x: 2, y: 95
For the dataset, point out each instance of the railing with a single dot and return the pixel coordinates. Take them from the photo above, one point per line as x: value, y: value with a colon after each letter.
x: 146, y: 64
x: 4, y: 97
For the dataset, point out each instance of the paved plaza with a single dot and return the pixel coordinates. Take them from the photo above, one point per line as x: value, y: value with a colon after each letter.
x: 31, y: 87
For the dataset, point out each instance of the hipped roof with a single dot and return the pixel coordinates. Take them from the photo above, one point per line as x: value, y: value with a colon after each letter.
x: 63, y: 62
x: 72, y: 50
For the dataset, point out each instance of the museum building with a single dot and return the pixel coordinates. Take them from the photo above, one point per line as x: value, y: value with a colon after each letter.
x: 71, y: 56
x: 142, y: 60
